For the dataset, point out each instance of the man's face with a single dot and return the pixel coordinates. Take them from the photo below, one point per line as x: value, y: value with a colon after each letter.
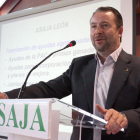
x: 104, y: 34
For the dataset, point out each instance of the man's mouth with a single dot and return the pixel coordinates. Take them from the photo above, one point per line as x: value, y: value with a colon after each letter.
x: 99, y: 39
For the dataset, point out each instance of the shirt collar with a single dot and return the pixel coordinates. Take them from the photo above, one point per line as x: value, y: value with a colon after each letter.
x: 113, y: 55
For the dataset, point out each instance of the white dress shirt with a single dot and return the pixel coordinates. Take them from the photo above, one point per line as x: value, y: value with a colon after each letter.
x: 103, y: 78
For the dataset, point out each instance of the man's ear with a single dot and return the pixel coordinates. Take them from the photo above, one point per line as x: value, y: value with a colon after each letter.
x: 120, y: 31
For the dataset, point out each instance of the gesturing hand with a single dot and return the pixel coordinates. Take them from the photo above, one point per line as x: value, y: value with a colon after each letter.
x: 115, y: 120
x: 3, y: 96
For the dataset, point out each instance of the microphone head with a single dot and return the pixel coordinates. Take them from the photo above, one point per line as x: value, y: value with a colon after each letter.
x: 73, y: 43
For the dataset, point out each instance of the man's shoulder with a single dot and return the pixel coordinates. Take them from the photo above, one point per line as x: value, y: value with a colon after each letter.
x: 130, y: 56
x: 85, y: 57
x: 83, y: 60
x: 130, y: 59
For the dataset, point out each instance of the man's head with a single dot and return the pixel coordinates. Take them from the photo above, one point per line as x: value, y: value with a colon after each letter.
x: 118, y: 18
x: 106, y: 28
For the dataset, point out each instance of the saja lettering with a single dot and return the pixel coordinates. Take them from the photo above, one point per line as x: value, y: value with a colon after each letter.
x: 22, y: 123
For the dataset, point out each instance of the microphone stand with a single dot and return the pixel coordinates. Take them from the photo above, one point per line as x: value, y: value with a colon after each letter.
x: 22, y: 90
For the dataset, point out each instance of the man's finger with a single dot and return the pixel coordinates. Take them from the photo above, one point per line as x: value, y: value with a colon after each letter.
x: 101, y: 110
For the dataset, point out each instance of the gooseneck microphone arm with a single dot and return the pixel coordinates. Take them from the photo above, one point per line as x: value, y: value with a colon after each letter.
x: 21, y: 92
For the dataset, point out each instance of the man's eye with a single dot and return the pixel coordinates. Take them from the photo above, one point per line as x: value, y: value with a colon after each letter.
x: 93, y: 26
x: 105, y: 25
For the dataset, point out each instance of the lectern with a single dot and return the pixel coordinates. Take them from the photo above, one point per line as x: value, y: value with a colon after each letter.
x: 36, y: 119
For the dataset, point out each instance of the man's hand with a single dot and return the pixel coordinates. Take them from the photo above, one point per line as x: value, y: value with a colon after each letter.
x: 3, y: 95
x: 115, y: 120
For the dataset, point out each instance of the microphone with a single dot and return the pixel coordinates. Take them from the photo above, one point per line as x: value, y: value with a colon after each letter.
x: 72, y: 43
x: 21, y: 92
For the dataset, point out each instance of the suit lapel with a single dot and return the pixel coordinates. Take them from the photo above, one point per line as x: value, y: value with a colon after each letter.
x: 121, y: 72
x: 88, y: 75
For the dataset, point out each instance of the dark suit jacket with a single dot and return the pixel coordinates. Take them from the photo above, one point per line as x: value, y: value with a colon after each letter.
x: 78, y: 80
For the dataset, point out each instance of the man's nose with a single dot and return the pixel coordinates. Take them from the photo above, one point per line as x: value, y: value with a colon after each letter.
x: 98, y: 30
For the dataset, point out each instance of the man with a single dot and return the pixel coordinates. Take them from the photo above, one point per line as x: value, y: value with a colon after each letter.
x: 106, y: 84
